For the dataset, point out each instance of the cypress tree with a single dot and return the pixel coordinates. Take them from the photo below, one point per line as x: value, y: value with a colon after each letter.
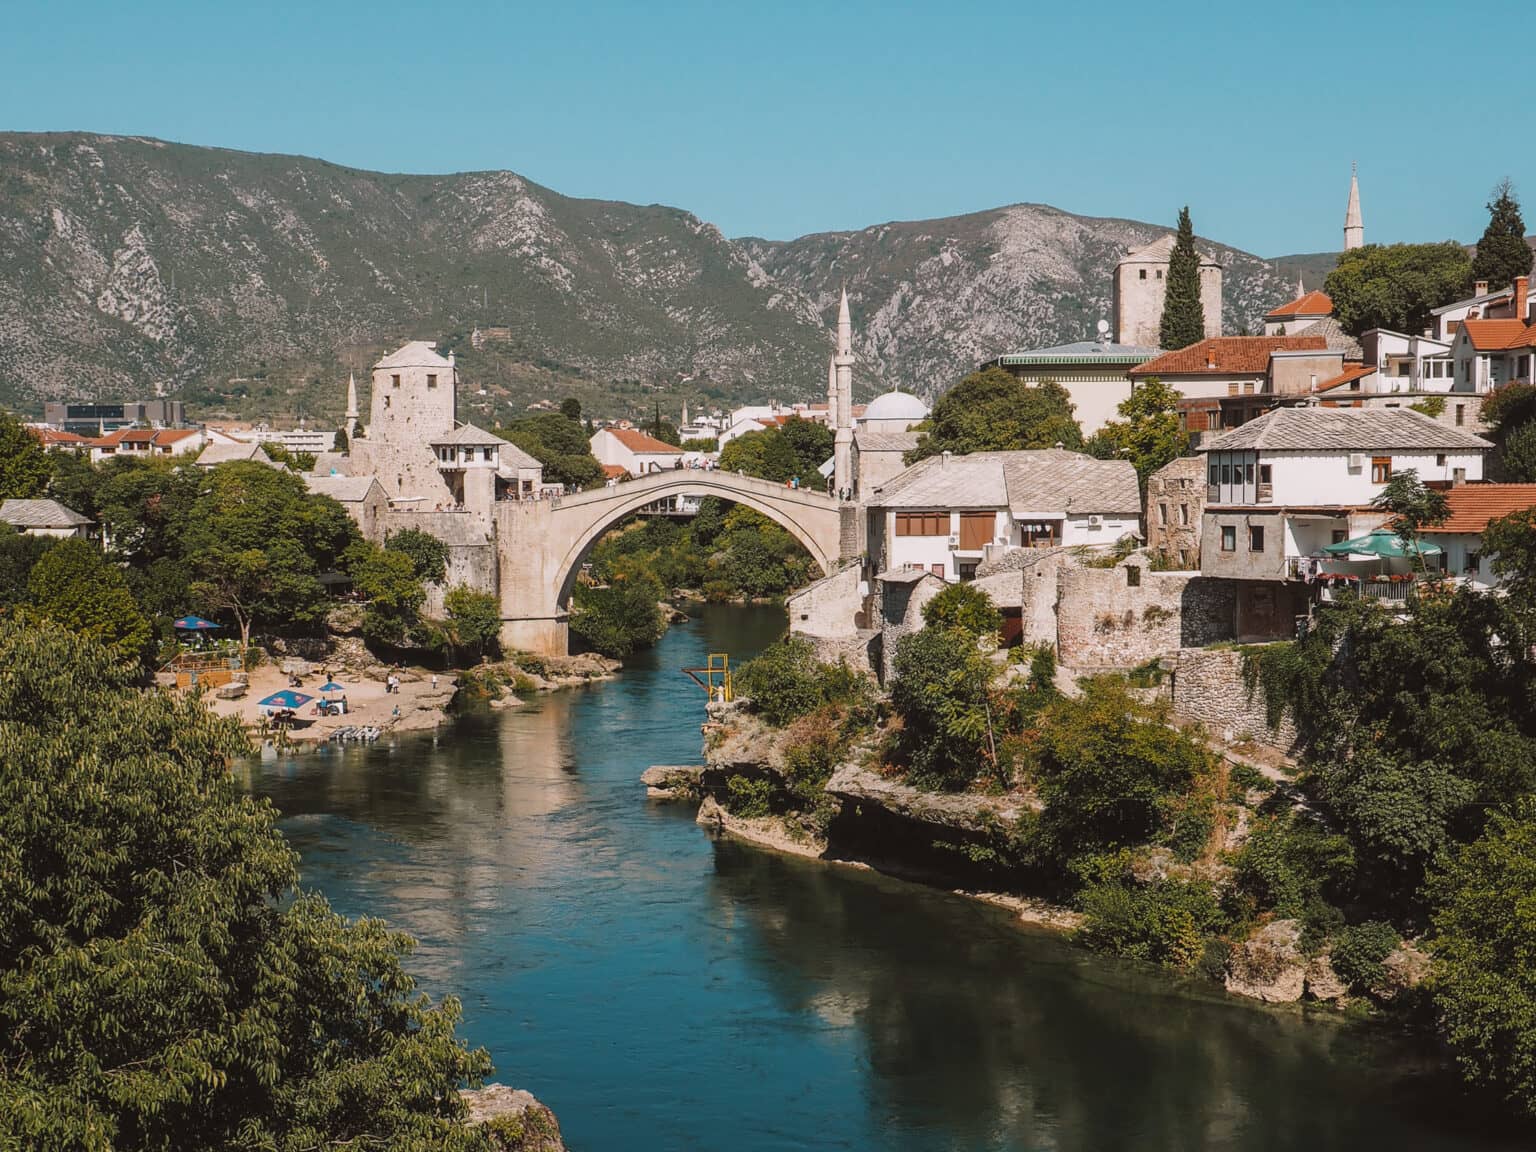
x: 1183, y: 314
x: 1502, y: 253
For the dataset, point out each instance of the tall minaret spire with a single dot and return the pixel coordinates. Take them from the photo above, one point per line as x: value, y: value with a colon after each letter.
x: 1301, y: 287
x: 351, y: 408
x: 842, y: 373
x: 1354, y: 224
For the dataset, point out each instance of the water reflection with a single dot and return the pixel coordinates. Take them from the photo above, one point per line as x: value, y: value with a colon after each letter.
x: 664, y: 992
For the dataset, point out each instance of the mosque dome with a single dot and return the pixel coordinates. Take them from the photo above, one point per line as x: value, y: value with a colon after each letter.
x: 896, y: 405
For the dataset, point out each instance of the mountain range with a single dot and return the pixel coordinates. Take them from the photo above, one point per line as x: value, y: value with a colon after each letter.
x: 250, y: 284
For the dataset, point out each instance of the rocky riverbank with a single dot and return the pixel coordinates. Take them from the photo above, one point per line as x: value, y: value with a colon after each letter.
x: 961, y: 841
x: 514, y: 1120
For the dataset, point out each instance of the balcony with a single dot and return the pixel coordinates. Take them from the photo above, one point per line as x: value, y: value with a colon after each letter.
x: 1394, y: 590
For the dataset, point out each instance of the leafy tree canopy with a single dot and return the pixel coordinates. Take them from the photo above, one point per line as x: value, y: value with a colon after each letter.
x: 558, y: 443
x: 992, y: 410
x: 24, y: 466
x: 166, y: 984
x: 963, y: 606
x: 75, y: 586
x: 1396, y: 286
x: 429, y: 555
x: 767, y: 454
x: 1502, y: 253
x: 1148, y: 433
x: 941, y: 693
x: 1183, y: 321
x: 474, y: 619
x: 812, y: 442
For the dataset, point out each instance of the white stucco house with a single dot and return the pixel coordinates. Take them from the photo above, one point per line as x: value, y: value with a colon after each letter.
x: 636, y: 452
x: 944, y: 514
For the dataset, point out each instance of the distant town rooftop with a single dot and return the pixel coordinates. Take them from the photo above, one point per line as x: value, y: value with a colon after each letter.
x: 1083, y: 351
x: 1309, y: 429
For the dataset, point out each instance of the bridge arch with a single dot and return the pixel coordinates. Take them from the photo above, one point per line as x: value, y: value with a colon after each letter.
x: 812, y: 518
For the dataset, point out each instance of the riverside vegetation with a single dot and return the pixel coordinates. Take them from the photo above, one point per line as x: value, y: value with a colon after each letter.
x: 1394, y: 866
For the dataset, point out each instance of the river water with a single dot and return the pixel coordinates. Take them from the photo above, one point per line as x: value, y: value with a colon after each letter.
x: 660, y: 990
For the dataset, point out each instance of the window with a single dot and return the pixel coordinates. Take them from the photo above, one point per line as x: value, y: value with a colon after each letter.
x: 1232, y: 388
x: 1133, y: 575
x: 1461, y: 415
x: 922, y: 523
x: 1226, y: 473
x: 1143, y: 274
x: 1381, y: 469
x: 431, y: 380
x: 1159, y: 273
x: 1162, y: 513
x: 1265, y: 474
x: 1229, y: 538
x: 1248, y: 472
x: 1184, y: 515
x: 387, y: 399
x: 487, y: 453
x: 1458, y: 475
x: 1439, y: 459
x: 1255, y: 538
x: 976, y: 530
x: 1213, y: 473
x: 937, y: 570
x: 1472, y: 562
x: 1339, y: 536
x: 394, y: 381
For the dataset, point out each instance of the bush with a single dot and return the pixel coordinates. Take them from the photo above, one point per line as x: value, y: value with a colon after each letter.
x: 1290, y: 862
x: 1358, y: 952
x: 963, y: 606
x: 1169, y: 922
x: 619, y: 618
x: 786, y: 681
x: 941, y: 693
x: 749, y: 796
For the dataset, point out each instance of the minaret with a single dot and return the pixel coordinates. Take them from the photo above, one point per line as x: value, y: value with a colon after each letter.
x: 685, y: 415
x: 1354, y: 225
x: 842, y: 365
x: 831, y: 391
x: 351, y: 407
x: 1301, y: 288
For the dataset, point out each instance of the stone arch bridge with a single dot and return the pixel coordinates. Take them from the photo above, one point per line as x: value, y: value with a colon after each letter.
x: 540, y: 544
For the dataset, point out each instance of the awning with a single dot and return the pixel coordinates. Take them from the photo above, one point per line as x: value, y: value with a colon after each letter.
x: 193, y: 624
x: 1382, y: 543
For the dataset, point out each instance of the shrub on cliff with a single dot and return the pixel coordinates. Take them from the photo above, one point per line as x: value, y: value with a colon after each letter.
x: 621, y: 617
x: 164, y: 983
x: 1168, y: 922
x: 941, y: 691
x: 963, y: 606
x: 786, y: 681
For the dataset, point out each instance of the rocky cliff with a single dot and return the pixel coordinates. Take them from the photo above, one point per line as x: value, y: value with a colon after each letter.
x: 248, y: 283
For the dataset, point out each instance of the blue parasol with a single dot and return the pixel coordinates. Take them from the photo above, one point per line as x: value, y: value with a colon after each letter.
x: 194, y: 624
x: 332, y: 686
x: 285, y: 701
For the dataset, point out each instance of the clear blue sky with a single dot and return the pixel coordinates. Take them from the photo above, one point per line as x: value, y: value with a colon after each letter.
x: 785, y: 118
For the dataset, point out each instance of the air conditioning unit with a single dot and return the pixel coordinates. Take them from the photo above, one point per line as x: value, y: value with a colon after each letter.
x: 1095, y: 521
x: 1356, y: 461
x: 954, y: 541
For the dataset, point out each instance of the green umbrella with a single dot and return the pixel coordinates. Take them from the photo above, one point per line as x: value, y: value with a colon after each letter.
x: 1383, y: 542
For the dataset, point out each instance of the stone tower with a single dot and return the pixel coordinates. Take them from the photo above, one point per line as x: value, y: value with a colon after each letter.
x: 413, y: 406
x: 1354, y: 223
x: 842, y: 367
x: 1141, y: 285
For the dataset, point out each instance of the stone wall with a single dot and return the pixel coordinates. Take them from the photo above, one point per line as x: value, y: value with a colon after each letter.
x: 1208, y: 687
x: 471, y: 550
x: 859, y: 650
x: 1124, y: 616
x: 901, y: 609
x: 832, y: 606
x: 1175, y: 503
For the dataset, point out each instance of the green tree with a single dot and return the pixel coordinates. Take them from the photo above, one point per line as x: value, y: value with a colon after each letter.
x: 812, y: 442
x: 560, y: 445
x: 429, y: 555
x: 73, y: 585
x: 1518, y: 460
x: 167, y: 985
x: 700, y: 444
x: 1396, y: 286
x: 1183, y: 320
x: 1484, y: 976
x: 388, y: 581
x: 1502, y: 253
x: 280, y: 454
x: 24, y: 466
x: 661, y: 429
x: 570, y: 408
x: 474, y: 619
x: 19, y: 554
x: 619, y: 618
x: 992, y: 410
x: 1149, y: 435
x: 941, y: 692
x: 1413, y: 507
x: 766, y: 454
x: 966, y: 607
x: 340, y: 443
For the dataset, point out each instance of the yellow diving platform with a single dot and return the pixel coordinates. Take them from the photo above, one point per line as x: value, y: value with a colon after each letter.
x: 715, y: 677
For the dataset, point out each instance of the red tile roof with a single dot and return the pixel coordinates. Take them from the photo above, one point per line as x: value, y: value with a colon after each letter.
x: 638, y: 441
x: 615, y: 471
x: 1314, y: 303
x: 1499, y: 335
x: 1351, y: 373
x: 141, y: 436
x: 51, y: 436
x: 1473, y: 505
x: 1226, y: 356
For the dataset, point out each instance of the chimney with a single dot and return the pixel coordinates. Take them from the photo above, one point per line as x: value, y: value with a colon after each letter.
x: 1522, y: 290
x: 1480, y: 288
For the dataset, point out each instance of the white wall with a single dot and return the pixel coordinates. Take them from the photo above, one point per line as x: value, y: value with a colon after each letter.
x: 1075, y: 529
x: 1309, y: 478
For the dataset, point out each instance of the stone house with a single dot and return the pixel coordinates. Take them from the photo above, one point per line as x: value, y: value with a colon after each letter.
x: 947, y: 513
x: 1304, y: 311
x: 45, y: 518
x: 1175, y: 506
x: 1284, y: 485
x: 145, y: 443
x: 363, y: 497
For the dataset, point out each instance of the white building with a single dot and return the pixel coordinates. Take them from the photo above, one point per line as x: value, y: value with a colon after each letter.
x: 1492, y: 351
x: 894, y: 411
x: 145, y: 443
x: 636, y: 452
x: 1094, y: 373
x: 945, y: 513
x: 1295, y: 479
x: 1460, y: 534
x: 44, y: 518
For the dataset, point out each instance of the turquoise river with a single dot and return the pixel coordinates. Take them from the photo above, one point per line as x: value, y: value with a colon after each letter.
x: 661, y: 990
